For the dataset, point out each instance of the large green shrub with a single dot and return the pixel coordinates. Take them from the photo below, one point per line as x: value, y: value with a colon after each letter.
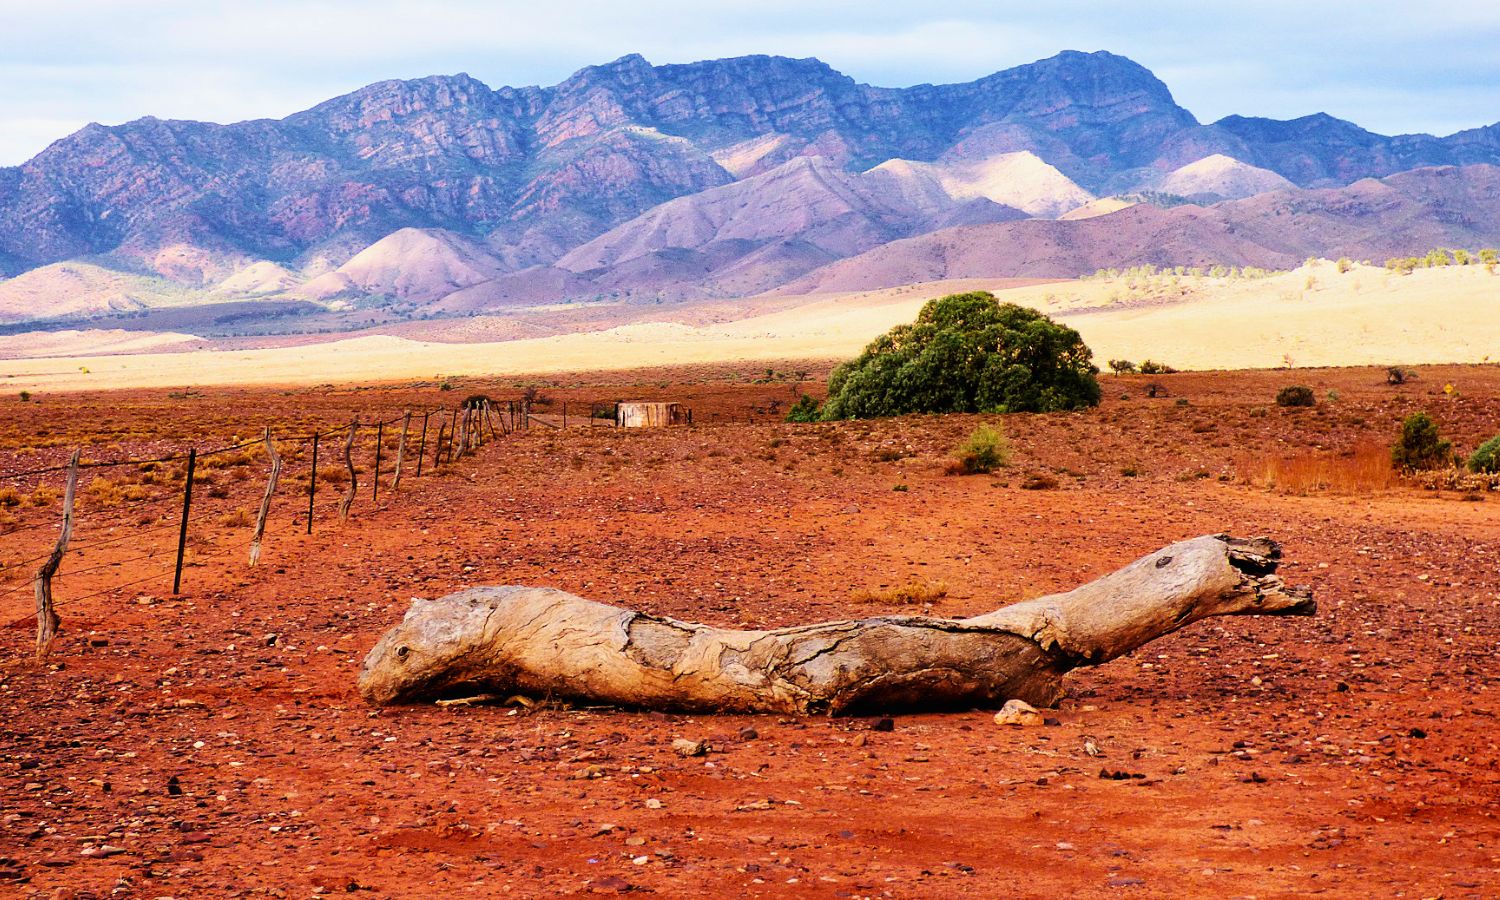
x: 967, y: 353
x: 1487, y: 458
x: 1420, y: 446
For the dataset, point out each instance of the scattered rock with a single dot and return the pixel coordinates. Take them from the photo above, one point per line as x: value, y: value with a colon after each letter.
x: 1018, y: 712
x: 685, y: 747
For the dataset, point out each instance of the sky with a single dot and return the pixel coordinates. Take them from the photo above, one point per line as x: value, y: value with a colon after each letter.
x: 1392, y: 67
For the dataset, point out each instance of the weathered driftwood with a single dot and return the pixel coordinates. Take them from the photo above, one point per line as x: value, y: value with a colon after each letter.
x: 543, y: 642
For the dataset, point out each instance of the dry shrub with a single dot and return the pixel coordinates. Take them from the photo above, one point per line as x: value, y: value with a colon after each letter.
x: 1039, y: 481
x: 43, y: 496
x: 1365, y: 469
x: 239, y: 518
x: 228, y: 460
x: 333, y: 475
x: 104, y: 492
x: 915, y: 592
x: 9, y: 497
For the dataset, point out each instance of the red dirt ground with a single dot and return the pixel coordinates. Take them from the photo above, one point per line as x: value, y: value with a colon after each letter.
x: 1352, y: 754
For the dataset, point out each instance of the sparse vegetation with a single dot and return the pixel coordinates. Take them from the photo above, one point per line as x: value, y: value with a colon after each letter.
x: 1420, y: 446
x: 1440, y: 257
x: 1399, y: 375
x: 1152, y: 367
x: 985, y: 451
x: 967, y: 353
x: 1296, y: 395
x: 1121, y: 366
x: 1039, y: 481
x: 26, y: 396
x: 916, y: 592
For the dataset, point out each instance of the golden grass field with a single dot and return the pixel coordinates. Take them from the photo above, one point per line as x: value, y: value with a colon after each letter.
x: 1314, y: 316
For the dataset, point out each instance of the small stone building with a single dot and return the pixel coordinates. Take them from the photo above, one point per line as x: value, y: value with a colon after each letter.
x: 651, y: 415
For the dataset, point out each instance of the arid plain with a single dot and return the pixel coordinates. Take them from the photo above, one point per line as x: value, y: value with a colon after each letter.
x: 212, y: 743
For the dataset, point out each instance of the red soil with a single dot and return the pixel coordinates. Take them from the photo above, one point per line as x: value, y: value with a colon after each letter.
x: 1352, y: 754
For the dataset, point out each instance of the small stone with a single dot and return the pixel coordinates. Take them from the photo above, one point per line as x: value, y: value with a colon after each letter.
x: 653, y: 803
x: 860, y: 740
x: 1018, y: 712
x: 884, y: 724
x: 748, y: 734
x: 635, y: 840
x: 640, y: 860
x: 685, y: 747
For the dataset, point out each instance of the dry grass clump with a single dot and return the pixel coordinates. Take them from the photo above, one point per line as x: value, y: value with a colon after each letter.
x: 1363, y: 470
x: 9, y: 497
x: 915, y: 592
x: 229, y: 460
x: 43, y: 496
x: 104, y: 492
x: 239, y: 518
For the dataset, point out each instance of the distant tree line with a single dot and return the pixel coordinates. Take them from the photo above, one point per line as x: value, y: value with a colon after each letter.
x: 1442, y: 256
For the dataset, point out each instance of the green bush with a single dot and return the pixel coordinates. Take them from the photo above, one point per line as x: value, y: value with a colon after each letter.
x: 967, y: 353
x: 1121, y: 366
x: 1295, y: 395
x: 1420, y: 445
x: 804, y: 410
x: 1152, y: 367
x: 985, y: 451
x: 1487, y: 458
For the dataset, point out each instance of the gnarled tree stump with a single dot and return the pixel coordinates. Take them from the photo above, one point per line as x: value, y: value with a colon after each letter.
x: 543, y: 642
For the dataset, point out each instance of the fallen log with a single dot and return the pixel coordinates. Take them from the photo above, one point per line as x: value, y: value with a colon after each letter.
x: 547, y: 643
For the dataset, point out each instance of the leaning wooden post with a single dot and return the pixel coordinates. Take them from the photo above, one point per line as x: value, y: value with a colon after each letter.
x: 437, y: 455
x: 401, y: 451
x: 379, y: 445
x: 422, y: 449
x: 312, y: 485
x: 461, y: 432
x: 265, y: 502
x: 348, y: 500
x: 187, y: 508
x: 46, y: 615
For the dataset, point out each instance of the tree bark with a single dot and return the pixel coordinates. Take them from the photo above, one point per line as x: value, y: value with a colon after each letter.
x: 546, y: 643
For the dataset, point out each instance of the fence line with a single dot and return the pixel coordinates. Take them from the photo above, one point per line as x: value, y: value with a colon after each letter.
x: 46, y: 615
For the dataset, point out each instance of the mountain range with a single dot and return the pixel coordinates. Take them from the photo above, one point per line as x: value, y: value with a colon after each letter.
x: 727, y: 178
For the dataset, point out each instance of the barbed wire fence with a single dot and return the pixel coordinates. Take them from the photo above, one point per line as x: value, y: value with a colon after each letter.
x: 196, y: 486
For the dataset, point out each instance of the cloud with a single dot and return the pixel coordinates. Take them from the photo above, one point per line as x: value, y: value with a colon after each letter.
x: 102, y: 60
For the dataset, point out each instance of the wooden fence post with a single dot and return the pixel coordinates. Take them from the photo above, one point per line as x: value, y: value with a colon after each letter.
x: 422, y: 450
x: 437, y: 455
x: 401, y: 451
x: 312, y: 484
x: 265, y: 502
x: 461, y: 431
x: 47, y: 620
x: 348, y: 500
x: 187, y: 508
x: 379, y: 445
